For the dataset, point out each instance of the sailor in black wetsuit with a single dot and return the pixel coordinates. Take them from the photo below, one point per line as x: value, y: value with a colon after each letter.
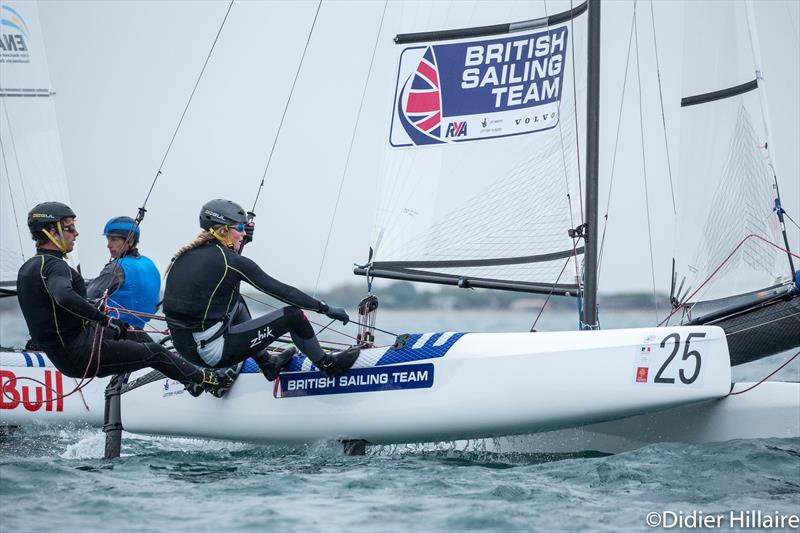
x: 207, y: 319
x: 52, y: 296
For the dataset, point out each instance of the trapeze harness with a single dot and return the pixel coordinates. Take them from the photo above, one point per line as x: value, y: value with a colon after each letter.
x: 52, y: 296
x: 208, y: 320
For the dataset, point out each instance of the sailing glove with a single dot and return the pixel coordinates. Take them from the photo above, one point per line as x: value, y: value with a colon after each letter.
x: 119, y: 328
x: 336, y: 313
x: 249, y: 230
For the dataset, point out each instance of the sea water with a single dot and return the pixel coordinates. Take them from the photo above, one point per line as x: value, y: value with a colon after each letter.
x: 56, y: 479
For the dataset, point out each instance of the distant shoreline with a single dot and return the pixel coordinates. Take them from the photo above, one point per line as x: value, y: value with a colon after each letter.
x: 405, y: 296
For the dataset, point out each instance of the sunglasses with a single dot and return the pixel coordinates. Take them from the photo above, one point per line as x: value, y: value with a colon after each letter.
x: 238, y: 227
x: 69, y: 228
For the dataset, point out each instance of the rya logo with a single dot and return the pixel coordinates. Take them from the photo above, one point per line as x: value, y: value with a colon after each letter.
x: 456, y: 129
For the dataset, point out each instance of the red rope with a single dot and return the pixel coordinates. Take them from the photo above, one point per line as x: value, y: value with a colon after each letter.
x: 80, y: 384
x: 792, y: 358
x: 716, y: 270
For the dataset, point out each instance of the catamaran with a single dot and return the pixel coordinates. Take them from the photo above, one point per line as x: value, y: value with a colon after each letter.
x: 506, y: 104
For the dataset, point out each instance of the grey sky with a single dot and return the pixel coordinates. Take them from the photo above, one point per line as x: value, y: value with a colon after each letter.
x: 123, y: 71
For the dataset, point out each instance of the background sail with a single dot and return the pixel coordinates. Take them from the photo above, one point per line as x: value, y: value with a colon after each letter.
x: 725, y: 184
x: 483, y: 193
x: 31, y: 163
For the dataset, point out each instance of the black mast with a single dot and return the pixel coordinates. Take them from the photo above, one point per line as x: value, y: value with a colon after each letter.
x: 589, y: 317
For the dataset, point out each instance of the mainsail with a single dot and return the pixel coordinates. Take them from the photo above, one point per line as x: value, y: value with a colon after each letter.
x: 480, y: 179
x: 726, y: 185
x: 31, y: 164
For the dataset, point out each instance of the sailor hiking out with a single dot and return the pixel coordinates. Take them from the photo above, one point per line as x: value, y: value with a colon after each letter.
x: 131, y: 279
x: 210, y: 324
x: 61, y: 322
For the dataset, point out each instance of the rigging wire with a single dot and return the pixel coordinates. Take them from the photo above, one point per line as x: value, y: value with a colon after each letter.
x: 16, y: 157
x: 566, y: 173
x: 286, y: 107
x: 663, y: 118
x: 350, y: 149
x: 11, y: 194
x: 577, y: 124
x: 644, y: 164
x: 616, y: 146
x: 186, y: 108
x: 791, y: 219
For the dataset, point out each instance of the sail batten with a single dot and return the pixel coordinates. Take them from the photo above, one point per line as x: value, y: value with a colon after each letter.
x: 494, y: 29
x: 720, y: 94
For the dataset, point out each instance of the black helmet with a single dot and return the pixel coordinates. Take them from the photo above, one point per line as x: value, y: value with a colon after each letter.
x: 47, y: 213
x: 216, y: 212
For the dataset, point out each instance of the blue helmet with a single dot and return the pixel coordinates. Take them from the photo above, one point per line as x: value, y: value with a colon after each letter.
x: 122, y: 227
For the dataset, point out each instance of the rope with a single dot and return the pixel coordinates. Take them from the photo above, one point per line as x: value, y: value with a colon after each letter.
x: 349, y: 150
x: 286, y: 107
x: 716, y: 270
x: 644, y: 165
x: 80, y: 384
x: 186, y: 108
x: 533, y: 327
x: 792, y: 358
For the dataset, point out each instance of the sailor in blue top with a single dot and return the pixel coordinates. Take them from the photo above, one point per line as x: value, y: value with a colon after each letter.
x: 131, y: 279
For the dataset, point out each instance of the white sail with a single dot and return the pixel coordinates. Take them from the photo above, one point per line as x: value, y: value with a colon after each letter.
x: 726, y: 180
x: 31, y: 163
x: 480, y: 177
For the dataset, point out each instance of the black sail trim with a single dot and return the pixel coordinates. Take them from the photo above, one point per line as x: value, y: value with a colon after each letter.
x: 719, y: 95
x: 468, y: 281
x: 496, y: 29
x: 456, y: 263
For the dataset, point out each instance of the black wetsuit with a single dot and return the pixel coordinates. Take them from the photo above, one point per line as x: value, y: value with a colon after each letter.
x: 202, y: 291
x: 52, y: 296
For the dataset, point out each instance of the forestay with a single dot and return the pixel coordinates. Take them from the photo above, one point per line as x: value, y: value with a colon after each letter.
x: 479, y: 185
x: 31, y: 163
x: 726, y: 185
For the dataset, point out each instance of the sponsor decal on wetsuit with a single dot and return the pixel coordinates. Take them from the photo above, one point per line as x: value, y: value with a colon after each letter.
x: 397, y: 377
x: 14, y: 392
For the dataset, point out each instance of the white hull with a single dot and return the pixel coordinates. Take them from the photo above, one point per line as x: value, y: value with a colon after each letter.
x: 482, y: 385
x: 439, y: 386
x: 24, y: 402
x: 771, y: 410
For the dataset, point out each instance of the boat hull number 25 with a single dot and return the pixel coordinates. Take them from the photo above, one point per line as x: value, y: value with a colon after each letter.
x: 684, y: 375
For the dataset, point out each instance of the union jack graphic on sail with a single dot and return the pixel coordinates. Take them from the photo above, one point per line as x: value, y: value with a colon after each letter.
x: 423, y: 107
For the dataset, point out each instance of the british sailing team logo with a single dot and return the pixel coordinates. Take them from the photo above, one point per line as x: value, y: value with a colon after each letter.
x: 491, y: 87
